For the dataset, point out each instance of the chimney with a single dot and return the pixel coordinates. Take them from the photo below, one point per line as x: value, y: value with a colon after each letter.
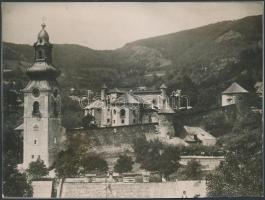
x: 103, y: 91
x: 163, y: 88
x: 89, y: 96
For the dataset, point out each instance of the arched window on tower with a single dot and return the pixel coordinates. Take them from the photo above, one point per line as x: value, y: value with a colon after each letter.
x: 40, y: 54
x: 36, y: 108
x: 56, y: 103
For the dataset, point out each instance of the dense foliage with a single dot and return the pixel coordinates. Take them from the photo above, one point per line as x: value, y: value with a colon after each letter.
x: 123, y: 164
x: 72, y: 113
x: 241, y: 172
x: 15, y: 184
x: 154, y: 156
x: 87, y: 121
x: 37, y: 169
x: 193, y: 170
x: 70, y: 163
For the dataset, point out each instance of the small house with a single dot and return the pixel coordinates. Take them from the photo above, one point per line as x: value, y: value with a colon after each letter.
x: 196, y: 135
x: 233, y: 94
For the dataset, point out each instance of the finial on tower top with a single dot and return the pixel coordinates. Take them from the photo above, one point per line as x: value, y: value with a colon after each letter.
x: 43, y: 25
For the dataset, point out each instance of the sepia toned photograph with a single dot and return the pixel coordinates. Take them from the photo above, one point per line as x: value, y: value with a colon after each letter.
x: 132, y: 99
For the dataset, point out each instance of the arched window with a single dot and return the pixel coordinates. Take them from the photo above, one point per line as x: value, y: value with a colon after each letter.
x: 195, y: 137
x: 56, y: 103
x: 114, y: 111
x: 122, y: 113
x: 150, y: 119
x: 40, y: 54
x: 36, y: 108
x: 35, y: 127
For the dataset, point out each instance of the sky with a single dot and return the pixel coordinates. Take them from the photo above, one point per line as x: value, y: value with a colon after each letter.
x: 105, y: 26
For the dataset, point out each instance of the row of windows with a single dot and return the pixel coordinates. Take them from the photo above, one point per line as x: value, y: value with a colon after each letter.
x: 36, y: 109
x: 54, y: 140
x: 122, y: 112
x: 122, y: 121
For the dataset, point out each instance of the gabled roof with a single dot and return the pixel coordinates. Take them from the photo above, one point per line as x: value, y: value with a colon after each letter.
x: 126, y: 98
x: 147, y: 92
x: 115, y: 90
x: 19, y: 128
x: 95, y: 104
x: 166, y: 110
x: 201, y: 134
x: 259, y: 87
x: 163, y: 86
x: 235, y: 88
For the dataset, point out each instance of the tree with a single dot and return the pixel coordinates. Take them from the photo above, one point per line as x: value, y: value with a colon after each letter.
x: 169, y: 161
x: 193, y: 170
x: 123, y: 164
x: 154, y: 156
x: 15, y: 184
x: 86, y: 121
x: 37, y: 169
x: 67, y: 164
x: 72, y: 113
x: 94, y: 162
x: 241, y: 172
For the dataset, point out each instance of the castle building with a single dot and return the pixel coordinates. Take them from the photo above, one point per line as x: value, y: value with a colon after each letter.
x: 42, y: 129
x: 118, y: 108
x: 233, y: 94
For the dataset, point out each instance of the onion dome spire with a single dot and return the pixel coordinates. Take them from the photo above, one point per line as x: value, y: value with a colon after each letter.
x: 42, y: 67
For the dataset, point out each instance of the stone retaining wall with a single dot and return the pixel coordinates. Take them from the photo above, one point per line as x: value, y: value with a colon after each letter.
x: 133, y: 190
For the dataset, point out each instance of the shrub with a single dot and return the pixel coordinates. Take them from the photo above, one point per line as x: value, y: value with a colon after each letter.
x: 67, y: 164
x: 193, y: 170
x: 37, y: 169
x: 123, y: 164
x: 139, y: 179
x: 94, y: 162
x: 87, y: 121
x: 155, y: 178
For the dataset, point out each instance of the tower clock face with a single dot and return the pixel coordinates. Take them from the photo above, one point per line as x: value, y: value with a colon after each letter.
x: 36, y: 92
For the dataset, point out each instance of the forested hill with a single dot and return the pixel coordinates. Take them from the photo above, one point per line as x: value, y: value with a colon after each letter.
x: 201, y: 61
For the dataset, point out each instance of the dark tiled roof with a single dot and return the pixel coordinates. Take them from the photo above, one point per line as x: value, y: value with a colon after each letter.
x: 235, y: 89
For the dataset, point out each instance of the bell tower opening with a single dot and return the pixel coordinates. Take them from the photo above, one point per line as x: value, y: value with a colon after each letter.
x: 36, y: 108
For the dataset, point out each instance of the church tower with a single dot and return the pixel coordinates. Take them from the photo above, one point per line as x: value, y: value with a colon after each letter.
x: 43, y: 132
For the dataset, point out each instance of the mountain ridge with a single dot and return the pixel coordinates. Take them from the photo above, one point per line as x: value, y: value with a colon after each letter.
x: 195, y: 57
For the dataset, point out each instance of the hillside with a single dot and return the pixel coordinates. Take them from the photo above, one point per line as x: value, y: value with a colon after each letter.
x: 200, y: 61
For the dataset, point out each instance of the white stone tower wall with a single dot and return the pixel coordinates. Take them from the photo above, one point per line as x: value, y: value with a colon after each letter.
x: 35, y: 129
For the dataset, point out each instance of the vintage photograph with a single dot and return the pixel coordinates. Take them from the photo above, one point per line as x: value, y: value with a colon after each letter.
x: 132, y: 99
